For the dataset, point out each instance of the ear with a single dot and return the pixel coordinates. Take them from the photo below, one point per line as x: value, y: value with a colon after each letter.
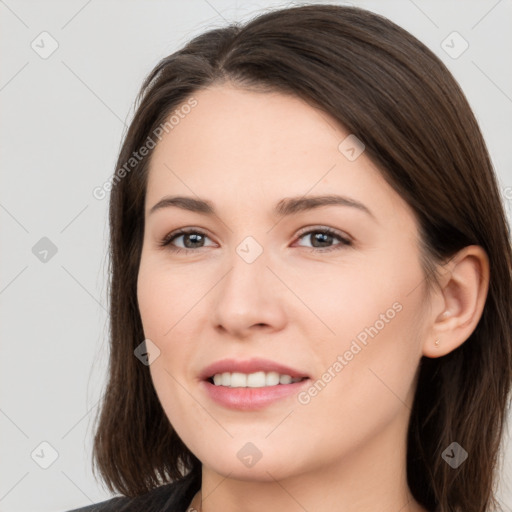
x: 458, y: 303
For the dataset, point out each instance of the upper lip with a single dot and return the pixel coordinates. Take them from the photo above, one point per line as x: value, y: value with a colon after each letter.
x: 249, y: 366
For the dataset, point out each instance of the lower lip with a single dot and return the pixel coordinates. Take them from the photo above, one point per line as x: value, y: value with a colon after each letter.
x: 251, y: 398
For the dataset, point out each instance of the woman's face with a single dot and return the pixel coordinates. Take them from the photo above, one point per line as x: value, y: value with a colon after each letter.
x: 259, y: 288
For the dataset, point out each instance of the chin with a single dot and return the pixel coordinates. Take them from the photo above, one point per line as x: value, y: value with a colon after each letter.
x: 269, y: 471
x: 262, y: 460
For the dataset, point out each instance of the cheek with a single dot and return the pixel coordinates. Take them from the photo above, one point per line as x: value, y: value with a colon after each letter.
x: 162, y: 296
x: 359, y: 301
x: 164, y: 299
x: 375, y: 349
x: 366, y: 387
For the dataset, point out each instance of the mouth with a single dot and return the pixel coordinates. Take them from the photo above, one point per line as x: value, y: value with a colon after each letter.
x: 259, y: 379
x: 252, y: 384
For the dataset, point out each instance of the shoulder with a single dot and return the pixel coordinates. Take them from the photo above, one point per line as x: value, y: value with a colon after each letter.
x: 113, y: 504
x: 173, y: 497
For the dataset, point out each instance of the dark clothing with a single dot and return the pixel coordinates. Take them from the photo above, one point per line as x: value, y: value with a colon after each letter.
x: 174, y: 497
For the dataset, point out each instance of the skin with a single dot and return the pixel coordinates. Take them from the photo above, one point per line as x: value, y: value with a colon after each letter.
x: 296, y: 304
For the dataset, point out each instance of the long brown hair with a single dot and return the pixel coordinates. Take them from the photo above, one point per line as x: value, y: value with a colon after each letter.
x: 395, y: 95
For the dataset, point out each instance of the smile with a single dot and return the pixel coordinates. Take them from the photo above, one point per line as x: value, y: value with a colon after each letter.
x: 253, y: 380
x: 251, y: 384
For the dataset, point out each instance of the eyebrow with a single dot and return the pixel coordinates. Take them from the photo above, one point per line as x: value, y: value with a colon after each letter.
x: 285, y: 207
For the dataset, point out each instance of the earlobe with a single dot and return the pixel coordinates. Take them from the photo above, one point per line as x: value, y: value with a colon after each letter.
x: 462, y: 297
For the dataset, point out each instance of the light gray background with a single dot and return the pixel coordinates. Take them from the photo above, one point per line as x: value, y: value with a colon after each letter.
x: 63, y: 119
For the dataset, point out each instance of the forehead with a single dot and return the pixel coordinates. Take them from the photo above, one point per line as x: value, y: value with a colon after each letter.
x: 230, y: 123
x: 263, y: 146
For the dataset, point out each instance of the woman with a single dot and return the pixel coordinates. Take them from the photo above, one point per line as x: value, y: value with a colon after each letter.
x: 311, y: 279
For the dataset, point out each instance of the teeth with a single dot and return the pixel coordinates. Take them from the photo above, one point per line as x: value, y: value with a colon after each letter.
x: 238, y: 380
x: 252, y: 380
x: 284, y: 379
x: 272, y: 379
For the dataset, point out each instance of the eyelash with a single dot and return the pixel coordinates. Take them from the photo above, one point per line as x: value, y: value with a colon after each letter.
x: 344, y: 242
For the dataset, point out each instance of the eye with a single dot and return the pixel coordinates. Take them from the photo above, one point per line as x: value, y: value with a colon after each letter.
x: 322, y: 239
x: 191, y: 239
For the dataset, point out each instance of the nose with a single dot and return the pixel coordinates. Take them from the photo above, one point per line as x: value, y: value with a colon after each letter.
x: 249, y: 299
